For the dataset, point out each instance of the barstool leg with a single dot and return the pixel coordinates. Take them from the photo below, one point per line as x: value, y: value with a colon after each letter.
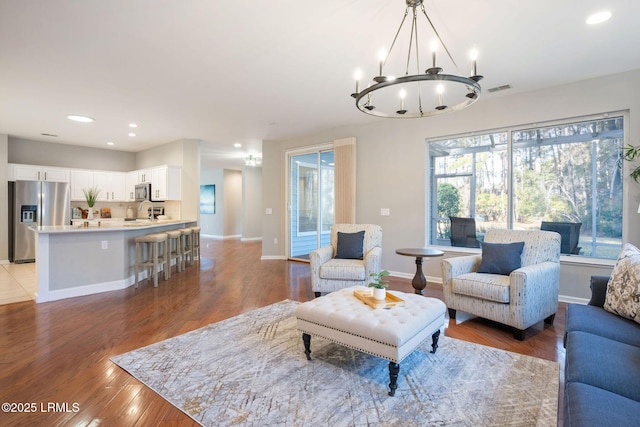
x: 137, y: 265
x: 166, y: 254
x: 155, y: 263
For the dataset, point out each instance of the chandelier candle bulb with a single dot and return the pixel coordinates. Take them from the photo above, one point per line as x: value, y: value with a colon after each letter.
x: 434, y: 47
x: 474, y: 59
x: 440, y: 91
x: 357, y: 75
x: 403, y: 94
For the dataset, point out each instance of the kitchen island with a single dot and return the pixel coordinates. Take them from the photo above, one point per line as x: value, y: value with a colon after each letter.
x: 76, y: 260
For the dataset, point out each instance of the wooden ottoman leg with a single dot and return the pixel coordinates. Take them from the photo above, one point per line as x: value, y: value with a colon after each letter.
x: 434, y: 340
x: 306, y: 339
x: 394, y: 369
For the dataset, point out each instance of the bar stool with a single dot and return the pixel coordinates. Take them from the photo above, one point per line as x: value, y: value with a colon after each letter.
x: 195, y: 244
x: 151, y: 251
x: 186, y: 246
x: 174, y: 250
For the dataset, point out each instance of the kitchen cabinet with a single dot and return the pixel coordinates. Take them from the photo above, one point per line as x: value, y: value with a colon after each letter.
x: 111, y: 186
x: 166, y: 183
x: 37, y: 173
x: 144, y: 175
x: 131, y: 180
x: 80, y: 179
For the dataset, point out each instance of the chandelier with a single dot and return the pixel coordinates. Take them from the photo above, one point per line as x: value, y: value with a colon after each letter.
x: 252, y: 161
x: 423, y: 94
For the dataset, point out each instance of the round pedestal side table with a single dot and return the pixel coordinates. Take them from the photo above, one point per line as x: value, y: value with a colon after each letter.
x: 419, y: 282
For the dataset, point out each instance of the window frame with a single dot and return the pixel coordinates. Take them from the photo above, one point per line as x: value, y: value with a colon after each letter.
x: 431, y: 208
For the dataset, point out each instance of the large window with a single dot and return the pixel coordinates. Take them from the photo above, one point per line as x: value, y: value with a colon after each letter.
x: 562, y: 177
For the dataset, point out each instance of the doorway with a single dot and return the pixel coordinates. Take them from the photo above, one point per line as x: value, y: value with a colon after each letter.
x: 311, y: 201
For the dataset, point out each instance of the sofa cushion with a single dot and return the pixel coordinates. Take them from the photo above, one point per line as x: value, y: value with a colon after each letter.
x: 595, y: 320
x: 603, y: 363
x: 343, y: 269
x: 492, y: 287
x: 501, y: 258
x: 623, y: 296
x: 588, y: 406
x: 350, y: 245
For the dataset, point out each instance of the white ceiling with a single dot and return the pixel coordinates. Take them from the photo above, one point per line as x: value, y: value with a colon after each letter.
x: 229, y: 71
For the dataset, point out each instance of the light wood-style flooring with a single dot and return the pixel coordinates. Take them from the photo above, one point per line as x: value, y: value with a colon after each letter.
x: 58, y: 352
x: 18, y: 282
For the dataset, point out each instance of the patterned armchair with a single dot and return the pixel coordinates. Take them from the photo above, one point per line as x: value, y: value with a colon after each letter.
x: 330, y: 274
x: 526, y: 296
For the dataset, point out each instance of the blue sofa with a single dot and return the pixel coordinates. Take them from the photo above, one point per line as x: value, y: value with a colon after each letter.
x: 602, y: 365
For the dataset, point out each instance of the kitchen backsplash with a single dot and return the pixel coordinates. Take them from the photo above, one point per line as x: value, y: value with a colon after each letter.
x: 119, y: 209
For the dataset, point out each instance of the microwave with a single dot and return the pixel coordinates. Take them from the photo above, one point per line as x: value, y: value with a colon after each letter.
x: 143, y: 192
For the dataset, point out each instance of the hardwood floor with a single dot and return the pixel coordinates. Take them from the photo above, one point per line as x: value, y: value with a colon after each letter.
x: 58, y: 352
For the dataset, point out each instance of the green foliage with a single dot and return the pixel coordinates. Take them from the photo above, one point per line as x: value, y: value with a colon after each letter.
x: 377, y: 280
x: 91, y: 195
x: 492, y: 206
x: 631, y: 153
x: 448, y: 200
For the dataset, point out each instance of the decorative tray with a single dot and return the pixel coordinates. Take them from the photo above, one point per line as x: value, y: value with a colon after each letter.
x: 366, y: 296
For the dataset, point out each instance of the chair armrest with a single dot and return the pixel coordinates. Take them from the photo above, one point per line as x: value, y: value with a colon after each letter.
x: 452, y: 267
x: 321, y: 255
x: 598, y: 287
x: 372, y: 260
x: 535, y: 283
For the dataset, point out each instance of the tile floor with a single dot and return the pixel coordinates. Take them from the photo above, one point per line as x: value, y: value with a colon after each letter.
x: 18, y: 282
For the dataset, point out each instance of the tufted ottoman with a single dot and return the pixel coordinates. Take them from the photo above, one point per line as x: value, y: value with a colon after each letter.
x: 391, y: 334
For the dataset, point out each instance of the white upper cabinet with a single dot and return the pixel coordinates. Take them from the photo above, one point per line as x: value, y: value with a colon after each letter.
x: 131, y: 180
x: 80, y: 180
x: 166, y: 183
x: 37, y: 173
x: 111, y: 186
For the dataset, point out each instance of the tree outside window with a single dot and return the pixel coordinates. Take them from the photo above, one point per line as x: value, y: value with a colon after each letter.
x: 520, y: 178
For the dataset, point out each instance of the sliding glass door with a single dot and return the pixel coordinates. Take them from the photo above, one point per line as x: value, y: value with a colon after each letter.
x: 311, y: 202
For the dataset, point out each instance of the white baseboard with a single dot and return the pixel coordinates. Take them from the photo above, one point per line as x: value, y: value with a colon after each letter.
x: 80, y: 291
x: 273, y: 257
x: 218, y: 237
x: 251, y: 239
x: 572, y: 300
x: 4, y: 261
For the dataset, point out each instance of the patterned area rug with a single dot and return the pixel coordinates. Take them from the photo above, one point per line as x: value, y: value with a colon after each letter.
x: 251, y: 370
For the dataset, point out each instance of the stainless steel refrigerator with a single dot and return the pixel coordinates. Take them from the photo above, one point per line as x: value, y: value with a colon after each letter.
x: 35, y: 203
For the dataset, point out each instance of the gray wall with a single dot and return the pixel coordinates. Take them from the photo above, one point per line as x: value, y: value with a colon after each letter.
x: 252, y: 203
x: 69, y: 156
x: 213, y: 224
x: 232, y: 203
x: 391, y: 166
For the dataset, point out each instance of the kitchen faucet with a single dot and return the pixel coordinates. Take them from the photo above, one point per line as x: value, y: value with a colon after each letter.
x: 150, y: 209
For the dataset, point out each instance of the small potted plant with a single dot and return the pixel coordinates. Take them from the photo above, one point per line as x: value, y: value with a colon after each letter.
x: 379, y: 285
x: 91, y: 195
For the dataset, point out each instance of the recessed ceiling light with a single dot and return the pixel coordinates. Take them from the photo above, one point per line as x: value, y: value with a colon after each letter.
x: 237, y: 145
x: 133, y: 125
x: 131, y: 134
x: 110, y: 143
x: 81, y: 119
x: 599, y: 17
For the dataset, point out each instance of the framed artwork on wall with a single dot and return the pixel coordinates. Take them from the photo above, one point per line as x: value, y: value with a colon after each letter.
x: 208, y: 199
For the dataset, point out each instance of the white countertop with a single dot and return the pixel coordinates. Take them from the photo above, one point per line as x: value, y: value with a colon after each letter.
x: 106, y: 226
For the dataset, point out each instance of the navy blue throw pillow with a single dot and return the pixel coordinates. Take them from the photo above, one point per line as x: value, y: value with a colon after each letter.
x: 350, y: 245
x: 501, y: 258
